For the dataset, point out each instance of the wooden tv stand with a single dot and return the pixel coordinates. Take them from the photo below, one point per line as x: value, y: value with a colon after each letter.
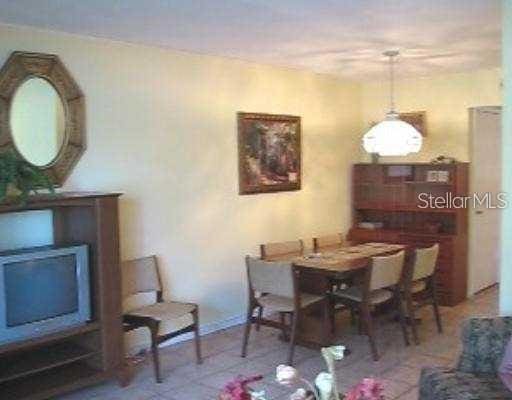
x: 46, y: 366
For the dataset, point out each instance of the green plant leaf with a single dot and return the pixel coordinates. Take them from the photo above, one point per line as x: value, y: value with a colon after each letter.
x: 22, y: 175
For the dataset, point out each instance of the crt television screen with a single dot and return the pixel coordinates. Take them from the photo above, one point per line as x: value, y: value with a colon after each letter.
x: 40, y: 289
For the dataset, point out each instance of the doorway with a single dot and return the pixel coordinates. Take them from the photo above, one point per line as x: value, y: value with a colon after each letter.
x: 485, y: 177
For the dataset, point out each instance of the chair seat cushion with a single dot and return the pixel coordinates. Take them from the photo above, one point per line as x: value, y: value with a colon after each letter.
x: 165, y: 311
x: 418, y: 286
x: 448, y: 384
x: 354, y: 293
x: 285, y: 304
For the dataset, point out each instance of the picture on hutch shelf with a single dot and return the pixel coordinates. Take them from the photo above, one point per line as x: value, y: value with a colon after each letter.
x: 418, y: 119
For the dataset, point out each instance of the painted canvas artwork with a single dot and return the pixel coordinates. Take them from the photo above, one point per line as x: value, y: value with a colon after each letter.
x: 269, y: 153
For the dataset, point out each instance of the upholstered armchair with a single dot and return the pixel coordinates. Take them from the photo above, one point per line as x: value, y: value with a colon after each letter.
x: 475, y: 376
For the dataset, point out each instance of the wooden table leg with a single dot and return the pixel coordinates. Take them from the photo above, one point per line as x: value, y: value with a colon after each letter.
x: 327, y: 328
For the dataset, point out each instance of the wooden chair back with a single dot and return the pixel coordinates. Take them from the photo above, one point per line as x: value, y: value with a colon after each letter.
x: 140, y: 276
x: 425, y: 262
x: 327, y: 242
x: 270, y: 251
x: 272, y: 277
x: 386, y: 271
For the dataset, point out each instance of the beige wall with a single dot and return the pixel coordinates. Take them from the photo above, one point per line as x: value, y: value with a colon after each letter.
x: 506, y: 156
x: 446, y: 100
x: 161, y: 127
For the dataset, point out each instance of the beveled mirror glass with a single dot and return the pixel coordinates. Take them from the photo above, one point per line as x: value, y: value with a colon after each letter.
x: 37, y: 121
x: 42, y: 113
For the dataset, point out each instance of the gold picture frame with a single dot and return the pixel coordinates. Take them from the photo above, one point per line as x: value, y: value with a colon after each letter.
x: 269, y: 153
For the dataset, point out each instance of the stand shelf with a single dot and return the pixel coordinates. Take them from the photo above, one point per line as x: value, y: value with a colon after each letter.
x: 45, y: 358
x: 47, y: 366
x: 51, y: 338
x: 52, y: 382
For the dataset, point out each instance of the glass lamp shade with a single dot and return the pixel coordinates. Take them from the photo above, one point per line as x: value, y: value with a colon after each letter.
x: 392, y: 137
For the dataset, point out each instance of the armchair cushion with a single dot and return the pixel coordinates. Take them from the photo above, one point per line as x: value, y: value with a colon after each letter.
x: 484, y: 341
x: 450, y: 384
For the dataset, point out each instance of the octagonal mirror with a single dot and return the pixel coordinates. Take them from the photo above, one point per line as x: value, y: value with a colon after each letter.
x: 41, y: 113
x: 37, y: 121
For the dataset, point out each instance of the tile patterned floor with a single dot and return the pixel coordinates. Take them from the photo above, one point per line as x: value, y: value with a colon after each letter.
x: 399, y: 366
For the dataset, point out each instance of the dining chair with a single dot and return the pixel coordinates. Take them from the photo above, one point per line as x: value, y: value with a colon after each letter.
x: 273, y: 285
x: 142, y: 276
x: 420, y: 286
x: 327, y: 242
x: 380, y: 283
x: 279, y: 250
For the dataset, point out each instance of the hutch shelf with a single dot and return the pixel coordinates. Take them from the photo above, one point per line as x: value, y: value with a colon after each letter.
x: 46, y: 366
x: 418, y: 205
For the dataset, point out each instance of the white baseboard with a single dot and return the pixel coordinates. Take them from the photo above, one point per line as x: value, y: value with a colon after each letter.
x: 203, y: 329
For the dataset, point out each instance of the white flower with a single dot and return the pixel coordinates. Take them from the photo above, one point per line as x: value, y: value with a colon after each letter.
x: 324, y: 385
x: 338, y: 352
x: 258, y: 395
x: 300, y: 394
x: 286, y: 375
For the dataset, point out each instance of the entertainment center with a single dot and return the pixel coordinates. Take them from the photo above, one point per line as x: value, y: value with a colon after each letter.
x: 83, y: 354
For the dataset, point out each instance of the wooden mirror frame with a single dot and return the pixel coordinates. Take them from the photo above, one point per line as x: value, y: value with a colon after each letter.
x: 21, y: 66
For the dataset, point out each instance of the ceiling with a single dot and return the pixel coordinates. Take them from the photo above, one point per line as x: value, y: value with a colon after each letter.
x: 342, y: 37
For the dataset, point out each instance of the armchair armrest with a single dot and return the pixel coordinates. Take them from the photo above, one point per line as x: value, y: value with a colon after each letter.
x: 484, y: 341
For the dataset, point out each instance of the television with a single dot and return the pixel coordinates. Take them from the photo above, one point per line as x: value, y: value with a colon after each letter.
x: 43, y: 290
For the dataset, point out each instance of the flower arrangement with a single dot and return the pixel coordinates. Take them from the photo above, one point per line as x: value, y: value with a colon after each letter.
x: 324, y: 387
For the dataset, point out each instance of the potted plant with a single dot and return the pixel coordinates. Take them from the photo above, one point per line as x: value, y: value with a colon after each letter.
x: 19, y: 178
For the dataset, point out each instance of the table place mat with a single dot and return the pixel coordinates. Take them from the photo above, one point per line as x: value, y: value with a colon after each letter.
x: 331, y: 260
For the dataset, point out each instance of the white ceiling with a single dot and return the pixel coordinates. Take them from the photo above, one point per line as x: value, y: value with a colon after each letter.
x: 343, y: 37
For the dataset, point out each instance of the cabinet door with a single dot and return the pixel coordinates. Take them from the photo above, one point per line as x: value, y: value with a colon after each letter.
x: 485, y: 178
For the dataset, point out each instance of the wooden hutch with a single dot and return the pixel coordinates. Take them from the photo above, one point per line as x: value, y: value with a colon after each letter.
x: 46, y: 366
x: 396, y: 201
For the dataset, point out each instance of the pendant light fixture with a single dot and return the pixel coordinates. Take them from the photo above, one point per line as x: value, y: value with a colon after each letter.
x: 392, y: 136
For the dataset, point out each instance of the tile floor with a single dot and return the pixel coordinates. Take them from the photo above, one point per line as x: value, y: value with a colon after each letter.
x: 399, y: 366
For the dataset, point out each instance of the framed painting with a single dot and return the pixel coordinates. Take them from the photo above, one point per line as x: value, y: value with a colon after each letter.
x: 418, y: 119
x: 269, y: 153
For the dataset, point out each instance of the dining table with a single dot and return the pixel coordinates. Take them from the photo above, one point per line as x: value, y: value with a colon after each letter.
x: 318, y: 271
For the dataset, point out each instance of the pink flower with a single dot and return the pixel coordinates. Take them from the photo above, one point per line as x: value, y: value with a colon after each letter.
x: 371, y: 389
x: 367, y: 389
x: 237, y: 388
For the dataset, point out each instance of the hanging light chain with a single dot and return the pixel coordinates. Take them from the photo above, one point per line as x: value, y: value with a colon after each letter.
x: 392, y: 83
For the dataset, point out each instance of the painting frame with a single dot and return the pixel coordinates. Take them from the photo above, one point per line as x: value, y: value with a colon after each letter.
x: 418, y: 119
x: 265, y: 176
